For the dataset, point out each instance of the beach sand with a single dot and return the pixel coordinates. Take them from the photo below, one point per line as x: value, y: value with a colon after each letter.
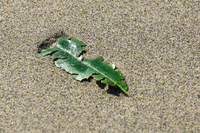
x: 155, y: 44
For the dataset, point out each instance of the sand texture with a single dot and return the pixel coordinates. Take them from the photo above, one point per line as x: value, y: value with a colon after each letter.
x: 155, y: 44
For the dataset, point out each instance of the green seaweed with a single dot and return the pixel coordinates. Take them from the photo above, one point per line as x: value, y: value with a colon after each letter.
x: 67, y: 52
